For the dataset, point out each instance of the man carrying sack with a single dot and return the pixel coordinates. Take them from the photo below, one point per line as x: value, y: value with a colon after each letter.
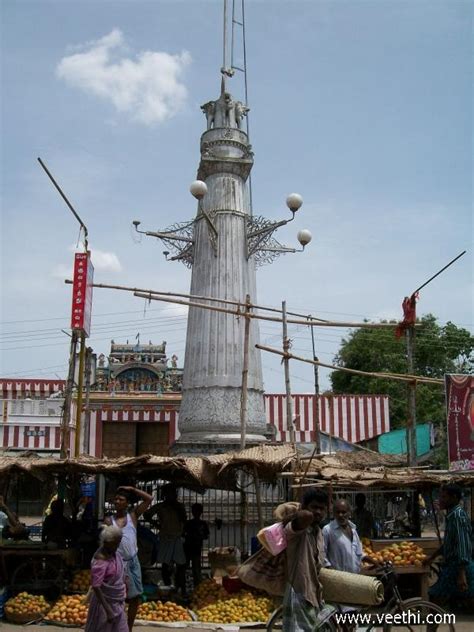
x: 294, y: 572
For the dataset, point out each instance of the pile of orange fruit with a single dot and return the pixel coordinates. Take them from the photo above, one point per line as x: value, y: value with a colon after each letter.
x: 81, y: 581
x: 400, y: 554
x: 70, y: 609
x: 207, y: 593
x: 239, y: 608
x: 159, y: 611
x: 26, y: 604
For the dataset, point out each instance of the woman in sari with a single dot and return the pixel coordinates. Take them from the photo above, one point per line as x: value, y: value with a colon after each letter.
x: 106, y: 607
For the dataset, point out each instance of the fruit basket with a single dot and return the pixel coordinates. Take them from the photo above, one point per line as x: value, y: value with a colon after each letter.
x: 25, y: 608
x: 80, y: 582
x: 23, y: 619
x: 159, y: 612
x: 70, y: 612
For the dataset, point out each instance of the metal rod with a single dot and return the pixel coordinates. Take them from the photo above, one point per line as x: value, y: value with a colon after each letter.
x: 224, y: 39
x: 439, y: 272
x: 66, y: 411
x: 80, y: 386
x: 286, y: 362
x: 247, y: 122
x: 245, y: 376
x: 232, y: 36
x: 392, y: 376
x: 71, y: 208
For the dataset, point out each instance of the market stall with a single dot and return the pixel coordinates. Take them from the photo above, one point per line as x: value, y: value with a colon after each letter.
x: 61, y: 567
x: 346, y: 473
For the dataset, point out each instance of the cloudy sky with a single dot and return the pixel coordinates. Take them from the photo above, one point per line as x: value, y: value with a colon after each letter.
x: 362, y: 107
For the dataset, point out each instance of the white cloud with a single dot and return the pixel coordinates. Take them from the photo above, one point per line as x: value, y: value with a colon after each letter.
x: 102, y: 261
x: 148, y: 87
x: 105, y: 261
x: 62, y: 271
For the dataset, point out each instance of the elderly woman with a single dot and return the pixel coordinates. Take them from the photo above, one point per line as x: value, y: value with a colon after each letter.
x: 106, y: 608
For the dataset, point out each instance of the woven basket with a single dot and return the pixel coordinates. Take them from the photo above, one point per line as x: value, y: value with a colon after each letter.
x: 26, y: 617
x: 342, y: 587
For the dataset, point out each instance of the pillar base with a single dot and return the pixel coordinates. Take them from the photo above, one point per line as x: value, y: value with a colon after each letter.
x: 206, y: 444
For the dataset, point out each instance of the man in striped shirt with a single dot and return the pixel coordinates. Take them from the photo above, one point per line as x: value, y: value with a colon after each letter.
x: 456, y: 577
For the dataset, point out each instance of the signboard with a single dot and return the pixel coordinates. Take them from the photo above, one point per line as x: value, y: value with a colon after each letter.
x: 34, y: 433
x: 82, y: 292
x: 460, y: 417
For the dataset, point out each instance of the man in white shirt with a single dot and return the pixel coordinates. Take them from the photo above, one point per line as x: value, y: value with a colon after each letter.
x: 342, y: 545
x: 7, y: 518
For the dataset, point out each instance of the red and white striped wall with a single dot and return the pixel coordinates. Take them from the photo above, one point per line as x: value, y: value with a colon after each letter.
x: 350, y: 417
x: 353, y: 418
x: 26, y: 437
x: 19, y: 389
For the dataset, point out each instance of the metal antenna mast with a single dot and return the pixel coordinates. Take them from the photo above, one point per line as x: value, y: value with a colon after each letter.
x: 237, y: 21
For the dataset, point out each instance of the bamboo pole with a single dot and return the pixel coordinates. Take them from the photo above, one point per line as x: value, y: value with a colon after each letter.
x: 80, y: 384
x: 258, y: 497
x: 435, y: 517
x: 160, y: 296
x: 286, y: 361
x: 66, y: 412
x: 390, y: 376
x: 245, y: 376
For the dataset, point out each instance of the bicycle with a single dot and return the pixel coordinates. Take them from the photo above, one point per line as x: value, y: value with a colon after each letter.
x: 416, y: 608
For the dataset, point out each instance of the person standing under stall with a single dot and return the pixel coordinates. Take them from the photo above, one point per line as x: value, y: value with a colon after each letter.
x: 7, y: 517
x: 171, y: 516
x: 195, y: 532
x: 303, y: 599
x: 342, y: 545
x: 363, y: 518
x: 127, y: 521
x: 107, y: 605
x: 57, y: 529
x: 456, y: 576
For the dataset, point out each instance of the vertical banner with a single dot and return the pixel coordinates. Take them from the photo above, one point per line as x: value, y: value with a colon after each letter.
x: 460, y: 418
x: 82, y: 292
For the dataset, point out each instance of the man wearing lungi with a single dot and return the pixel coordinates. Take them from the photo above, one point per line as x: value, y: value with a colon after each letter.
x: 127, y: 521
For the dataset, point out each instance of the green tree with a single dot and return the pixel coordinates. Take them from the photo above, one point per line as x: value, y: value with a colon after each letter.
x: 438, y: 350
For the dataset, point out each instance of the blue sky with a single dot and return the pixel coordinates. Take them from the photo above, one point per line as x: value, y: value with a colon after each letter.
x: 365, y: 108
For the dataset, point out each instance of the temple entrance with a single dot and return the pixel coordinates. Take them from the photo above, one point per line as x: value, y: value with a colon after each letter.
x: 134, y: 439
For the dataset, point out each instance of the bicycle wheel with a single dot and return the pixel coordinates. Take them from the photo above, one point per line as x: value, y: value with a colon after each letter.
x: 38, y: 576
x: 418, y: 615
x: 275, y: 622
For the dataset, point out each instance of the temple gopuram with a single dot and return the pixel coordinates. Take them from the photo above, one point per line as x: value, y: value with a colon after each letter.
x: 138, y: 368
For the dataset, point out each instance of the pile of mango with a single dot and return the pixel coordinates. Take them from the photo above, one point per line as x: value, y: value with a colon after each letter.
x: 70, y: 609
x: 26, y: 605
x: 159, y: 611
x: 239, y: 608
x: 81, y: 581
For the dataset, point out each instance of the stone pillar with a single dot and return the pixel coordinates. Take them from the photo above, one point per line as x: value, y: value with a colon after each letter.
x: 209, y: 417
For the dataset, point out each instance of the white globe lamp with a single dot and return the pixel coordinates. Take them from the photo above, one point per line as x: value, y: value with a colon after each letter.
x: 304, y: 237
x: 294, y: 202
x: 198, y: 189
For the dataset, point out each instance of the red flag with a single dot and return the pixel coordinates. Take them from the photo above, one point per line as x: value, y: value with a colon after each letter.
x: 409, y: 314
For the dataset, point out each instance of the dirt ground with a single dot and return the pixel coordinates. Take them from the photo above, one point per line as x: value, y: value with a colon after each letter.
x: 464, y: 623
